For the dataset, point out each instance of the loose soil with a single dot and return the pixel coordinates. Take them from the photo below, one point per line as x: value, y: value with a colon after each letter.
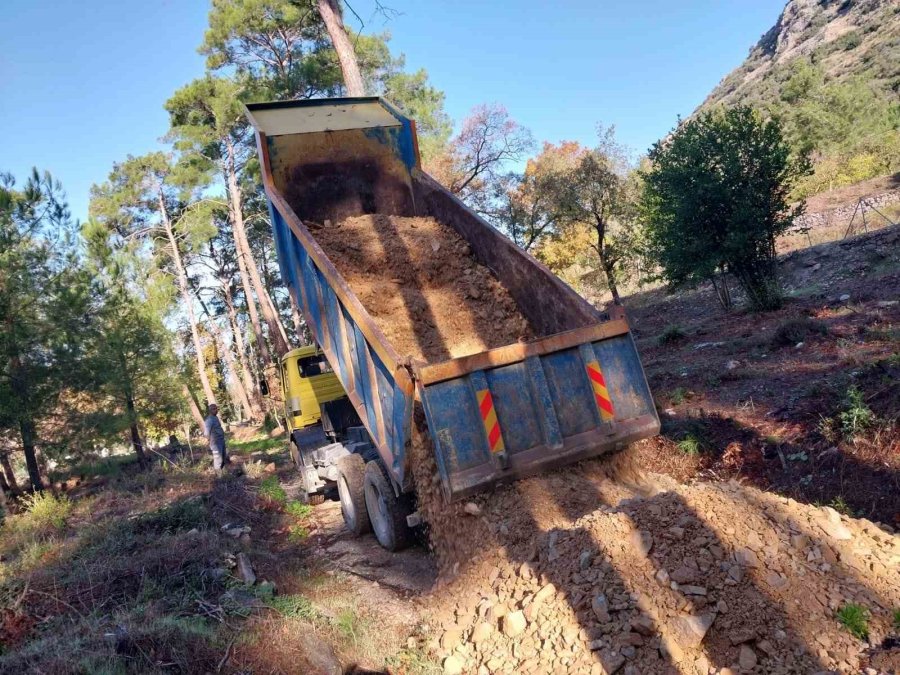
x: 418, y: 280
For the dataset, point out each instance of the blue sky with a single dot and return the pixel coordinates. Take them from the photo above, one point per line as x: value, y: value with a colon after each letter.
x: 82, y: 84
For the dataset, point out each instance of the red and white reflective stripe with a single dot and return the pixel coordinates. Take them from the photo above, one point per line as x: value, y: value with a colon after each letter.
x: 601, y: 394
x: 489, y: 419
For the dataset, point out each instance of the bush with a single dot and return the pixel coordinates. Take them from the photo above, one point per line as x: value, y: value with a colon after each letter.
x: 672, y: 334
x: 855, y: 618
x: 46, y: 511
x: 857, y: 416
x: 691, y: 445
x: 727, y: 227
x: 271, y: 489
x: 793, y: 331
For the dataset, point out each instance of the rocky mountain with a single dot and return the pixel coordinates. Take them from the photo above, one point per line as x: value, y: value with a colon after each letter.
x: 841, y: 38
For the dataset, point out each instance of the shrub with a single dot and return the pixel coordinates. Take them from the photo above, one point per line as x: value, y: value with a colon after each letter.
x: 855, y: 618
x: 293, y: 607
x: 857, y: 416
x: 671, y: 335
x: 690, y: 445
x: 728, y: 228
x: 793, y: 331
x: 46, y: 511
x: 298, y: 509
x: 271, y: 489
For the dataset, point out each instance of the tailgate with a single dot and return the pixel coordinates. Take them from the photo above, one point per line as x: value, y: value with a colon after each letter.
x: 523, y: 409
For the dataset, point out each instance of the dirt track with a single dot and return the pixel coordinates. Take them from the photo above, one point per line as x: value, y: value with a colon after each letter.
x: 419, y: 281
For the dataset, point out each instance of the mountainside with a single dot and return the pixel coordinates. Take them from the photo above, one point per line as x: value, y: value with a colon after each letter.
x: 830, y: 69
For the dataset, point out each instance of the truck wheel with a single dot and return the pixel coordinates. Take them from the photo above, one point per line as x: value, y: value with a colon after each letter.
x: 351, y: 490
x: 386, y: 511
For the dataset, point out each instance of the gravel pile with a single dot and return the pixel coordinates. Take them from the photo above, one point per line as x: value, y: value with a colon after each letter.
x: 579, y: 573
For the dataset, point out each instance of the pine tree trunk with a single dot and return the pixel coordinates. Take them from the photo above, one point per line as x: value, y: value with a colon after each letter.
x: 136, y: 441
x: 330, y: 11
x: 186, y: 299
x: 248, y: 270
x: 195, y: 408
x: 243, y: 396
x: 26, y: 429
x: 9, y: 474
x: 246, y: 374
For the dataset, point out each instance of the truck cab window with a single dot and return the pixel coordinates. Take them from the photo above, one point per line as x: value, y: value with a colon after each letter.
x: 311, y: 366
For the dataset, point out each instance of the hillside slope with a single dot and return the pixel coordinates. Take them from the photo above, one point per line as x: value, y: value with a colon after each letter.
x: 849, y: 38
x: 830, y: 69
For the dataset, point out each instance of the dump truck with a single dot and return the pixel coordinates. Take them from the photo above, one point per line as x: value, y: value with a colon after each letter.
x: 575, y: 391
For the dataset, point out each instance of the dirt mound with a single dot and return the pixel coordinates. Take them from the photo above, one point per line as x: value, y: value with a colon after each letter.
x: 419, y: 281
x: 584, y: 574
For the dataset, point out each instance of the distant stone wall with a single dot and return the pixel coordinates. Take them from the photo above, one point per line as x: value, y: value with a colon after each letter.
x: 843, y: 214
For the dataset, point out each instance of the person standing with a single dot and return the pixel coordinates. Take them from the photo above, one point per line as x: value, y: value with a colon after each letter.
x: 215, y: 434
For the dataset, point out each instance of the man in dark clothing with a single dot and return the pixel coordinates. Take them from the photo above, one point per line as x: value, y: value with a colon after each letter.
x: 216, y: 436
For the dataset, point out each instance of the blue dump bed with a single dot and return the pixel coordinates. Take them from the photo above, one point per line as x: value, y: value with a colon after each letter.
x: 502, y: 414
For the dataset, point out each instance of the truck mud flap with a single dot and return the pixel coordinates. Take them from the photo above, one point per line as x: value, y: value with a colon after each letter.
x: 498, y: 424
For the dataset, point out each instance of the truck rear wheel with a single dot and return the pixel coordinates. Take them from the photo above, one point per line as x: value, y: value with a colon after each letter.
x: 351, y: 490
x: 386, y: 511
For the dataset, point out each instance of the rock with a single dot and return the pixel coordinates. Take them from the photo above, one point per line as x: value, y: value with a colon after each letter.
x: 740, y: 636
x: 584, y: 560
x: 643, y: 624
x: 746, y: 557
x: 732, y: 364
x: 245, y: 569
x: 235, y: 532
x: 481, y: 632
x: 594, y: 645
x: 600, y: 606
x: 845, y: 297
x: 662, y: 577
x: 677, y: 532
x: 319, y: 655
x: 270, y: 467
x: 690, y: 630
x: 611, y: 662
x: 692, y: 590
x: 642, y: 541
x: 683, y: 575
x: 450, y: 639
x: 514, y: 624
x: 747, y: 658
x: 472, y: 509
x: 453, y: 665
x: 832, y: 526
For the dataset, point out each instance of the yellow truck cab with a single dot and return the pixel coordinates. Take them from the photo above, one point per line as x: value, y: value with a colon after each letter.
x: 323, y: 427
x: 307, y: 381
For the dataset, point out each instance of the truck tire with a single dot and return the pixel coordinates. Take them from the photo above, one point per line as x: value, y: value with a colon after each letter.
x: 351, y: 491
x: 386, y: 511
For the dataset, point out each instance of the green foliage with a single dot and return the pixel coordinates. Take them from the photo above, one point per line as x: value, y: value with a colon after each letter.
x: 856, y: 416
x: 671, y: 334
x: 715, y: 198
x: 855, y: 618
x: 297, y: 533
x: 348, y: 624
x: 263, y: 444
x: 896, y: 619
x: 793, y: 331
x: 46, y: 308
x: 271, y: 489
x: 691, y: 445
x: 841, y: 506
x: 294, y: 607
x: 679, y: 395
x: 46, y: 511
x: 297, y: 509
